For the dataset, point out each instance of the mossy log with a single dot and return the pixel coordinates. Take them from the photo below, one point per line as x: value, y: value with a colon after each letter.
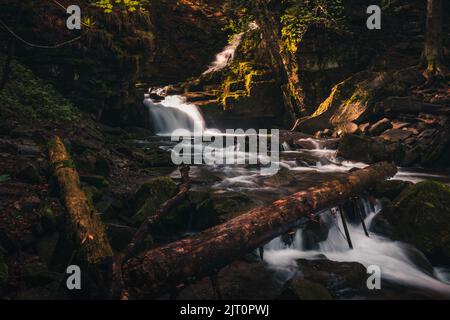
x: 162, y: 269
x: 85, y: 228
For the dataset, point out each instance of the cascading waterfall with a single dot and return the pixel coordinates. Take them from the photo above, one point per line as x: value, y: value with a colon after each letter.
x: 394, y: 258
x: 226, y: 56
x: 174, y: 113
x: 398, y: 261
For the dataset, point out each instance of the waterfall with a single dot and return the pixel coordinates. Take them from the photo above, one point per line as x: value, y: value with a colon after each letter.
x: 226, y: 56
x: 174, y: 113
x: 399, y: 262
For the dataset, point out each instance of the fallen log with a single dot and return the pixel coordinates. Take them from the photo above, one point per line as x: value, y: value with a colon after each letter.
x: 157, y: 271
x: 85, y: 229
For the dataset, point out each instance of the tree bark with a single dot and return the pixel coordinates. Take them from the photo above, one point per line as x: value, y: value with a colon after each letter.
x: 433, y: 43
x: 159, y: 270
x: 85, y: 228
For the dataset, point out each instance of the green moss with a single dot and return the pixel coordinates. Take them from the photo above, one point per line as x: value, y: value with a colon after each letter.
x: 151, y: 195
x: 31, y: 97
x: 421, y: 216
x: 239, y: 82
x: 301, y: 14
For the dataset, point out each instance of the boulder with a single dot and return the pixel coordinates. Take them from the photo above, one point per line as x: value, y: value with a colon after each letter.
x: 380, y: 126
x: 238, y: 281
x: 355, y: 99
x: 368, y: 150
x: 313, y: 233
x: 396, y: 135
x: 193, y: 214
x: 390, y: 188
x: 151, y: 195
x: 420, y: 215
x: 342, y: 280
x: 349, y: 127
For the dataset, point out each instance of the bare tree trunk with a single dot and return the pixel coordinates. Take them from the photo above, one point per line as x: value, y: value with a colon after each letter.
x: 159, y: 270
x: 433, y: 42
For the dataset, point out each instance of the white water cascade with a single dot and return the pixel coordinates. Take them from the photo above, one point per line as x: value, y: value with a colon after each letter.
x: 399, y: 262
x: 174, y: 113
x: 226, y: 56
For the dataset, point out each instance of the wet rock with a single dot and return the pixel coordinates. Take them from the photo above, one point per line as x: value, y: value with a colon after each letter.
x: 238, y: 281
x: 390, y: 188
x: 380, y: 225
x: 380, y: 126
x: 420, y: 215
x: 343, y: 280
x: 396, y: 135
x: 298, y: 288
x: 364, y: 127
x: 349, y: 127
x: 151, y: 195
x: 27, y: 171
x: 313, y: 233
x: 365, y: 149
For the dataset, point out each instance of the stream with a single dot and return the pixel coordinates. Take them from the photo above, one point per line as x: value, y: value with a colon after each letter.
x: 399, y: 262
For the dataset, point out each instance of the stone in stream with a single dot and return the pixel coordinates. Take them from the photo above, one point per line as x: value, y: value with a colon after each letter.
x: 368, y: 150
x: 420, y: 215
x: 238, y: 281
x: 381, y: 126
x: 390, y: 188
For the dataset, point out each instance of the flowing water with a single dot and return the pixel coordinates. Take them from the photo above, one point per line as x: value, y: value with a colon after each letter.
x: 398, y: 261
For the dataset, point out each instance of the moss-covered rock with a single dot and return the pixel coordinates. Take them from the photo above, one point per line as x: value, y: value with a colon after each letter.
x: 151, y: 195
x: 195, y: 213
x: 354, y: 99
x: 390, y: 188
x: 420, y: 215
